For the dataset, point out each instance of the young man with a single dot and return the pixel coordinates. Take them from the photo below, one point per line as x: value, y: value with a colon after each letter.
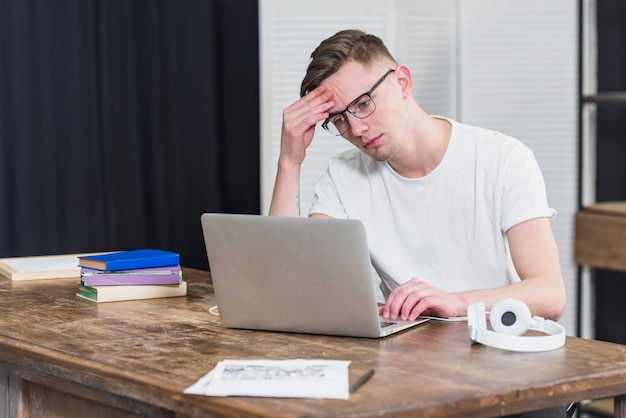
x: 444, y: 204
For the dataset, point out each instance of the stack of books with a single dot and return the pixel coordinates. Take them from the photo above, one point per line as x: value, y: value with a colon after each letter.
x: 131, y: 275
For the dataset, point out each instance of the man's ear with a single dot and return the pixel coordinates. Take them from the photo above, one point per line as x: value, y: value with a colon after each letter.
x: 405, y: 79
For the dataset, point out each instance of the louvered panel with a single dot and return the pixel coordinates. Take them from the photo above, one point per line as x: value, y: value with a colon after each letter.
x: 290, y: 31
x: 427, y: 45
x: 519, y: 76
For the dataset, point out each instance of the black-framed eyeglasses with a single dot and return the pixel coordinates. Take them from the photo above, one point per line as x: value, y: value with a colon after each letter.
x: 361, y: 107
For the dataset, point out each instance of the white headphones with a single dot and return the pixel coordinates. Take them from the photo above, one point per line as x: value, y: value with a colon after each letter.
x: 510, y: 318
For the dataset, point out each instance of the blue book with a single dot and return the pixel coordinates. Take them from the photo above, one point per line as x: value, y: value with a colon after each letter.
x: 128, y: 260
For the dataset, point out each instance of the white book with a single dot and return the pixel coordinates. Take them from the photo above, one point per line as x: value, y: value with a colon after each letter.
x: 132, y: 292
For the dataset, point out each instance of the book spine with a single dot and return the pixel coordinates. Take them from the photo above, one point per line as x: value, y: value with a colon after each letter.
x: 123, y: 293
x: 148, y: 276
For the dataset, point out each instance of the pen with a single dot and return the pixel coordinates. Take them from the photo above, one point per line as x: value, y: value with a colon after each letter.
x: 361, y: 380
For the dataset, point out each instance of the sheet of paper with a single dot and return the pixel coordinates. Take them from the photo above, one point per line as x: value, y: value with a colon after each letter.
x: 320, y: 379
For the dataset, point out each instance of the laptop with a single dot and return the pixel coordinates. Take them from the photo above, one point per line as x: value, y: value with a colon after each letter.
x: 303, y: 275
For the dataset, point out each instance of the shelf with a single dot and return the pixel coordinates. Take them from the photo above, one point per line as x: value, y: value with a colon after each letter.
x: 607, y: 97
x: 600, y: 237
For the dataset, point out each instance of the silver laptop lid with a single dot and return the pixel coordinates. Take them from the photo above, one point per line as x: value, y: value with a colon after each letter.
x: 291, y: 274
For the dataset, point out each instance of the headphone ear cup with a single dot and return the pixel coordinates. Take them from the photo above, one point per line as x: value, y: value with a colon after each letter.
x: 510, y: 316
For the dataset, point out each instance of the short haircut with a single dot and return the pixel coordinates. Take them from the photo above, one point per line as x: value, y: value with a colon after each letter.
x: 337, y: 50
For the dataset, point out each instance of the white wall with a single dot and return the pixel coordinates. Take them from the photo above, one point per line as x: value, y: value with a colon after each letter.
x: 508, y: 65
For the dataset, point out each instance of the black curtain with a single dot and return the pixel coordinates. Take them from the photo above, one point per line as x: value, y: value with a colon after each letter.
x: 122, y: 121
x: 610, y: 286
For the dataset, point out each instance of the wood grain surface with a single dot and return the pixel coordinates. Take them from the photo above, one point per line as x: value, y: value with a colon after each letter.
x: 601, y: 236
x: 63, y: 353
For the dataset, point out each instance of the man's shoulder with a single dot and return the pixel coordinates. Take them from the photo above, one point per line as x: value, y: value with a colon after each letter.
x: 486, y: 138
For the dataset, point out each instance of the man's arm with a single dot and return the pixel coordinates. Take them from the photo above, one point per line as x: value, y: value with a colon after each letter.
x: 298, y: 128
x: 536, y: 259
x: 286, y: 194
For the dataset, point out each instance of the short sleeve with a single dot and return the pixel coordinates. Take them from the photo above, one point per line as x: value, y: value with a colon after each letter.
x: 523, y: 190
x: 326, y: 199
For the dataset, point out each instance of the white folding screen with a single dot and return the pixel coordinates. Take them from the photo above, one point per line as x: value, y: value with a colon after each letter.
x: 520, y: 76
x: 508, y: 65
x: 290, y: 30
x: 426, y: 41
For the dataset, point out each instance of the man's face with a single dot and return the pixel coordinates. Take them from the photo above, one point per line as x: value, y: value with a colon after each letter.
x: 380, y: 133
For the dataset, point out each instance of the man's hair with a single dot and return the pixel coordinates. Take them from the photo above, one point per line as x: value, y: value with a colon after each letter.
x: 337, y: 50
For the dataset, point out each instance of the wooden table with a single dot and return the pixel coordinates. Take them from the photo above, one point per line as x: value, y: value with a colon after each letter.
x: 61, y: 356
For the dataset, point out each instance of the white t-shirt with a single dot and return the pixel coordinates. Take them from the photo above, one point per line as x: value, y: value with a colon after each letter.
x: 448, y: 227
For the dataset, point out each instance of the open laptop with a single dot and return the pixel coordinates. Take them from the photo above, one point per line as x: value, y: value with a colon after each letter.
x: 300, y: 275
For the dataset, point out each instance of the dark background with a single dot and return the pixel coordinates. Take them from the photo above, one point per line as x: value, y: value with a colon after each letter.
x: 611, y: 159
x: 122, y: 121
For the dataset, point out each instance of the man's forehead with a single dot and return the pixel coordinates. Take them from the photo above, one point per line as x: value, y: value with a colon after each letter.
x: 350, y: 81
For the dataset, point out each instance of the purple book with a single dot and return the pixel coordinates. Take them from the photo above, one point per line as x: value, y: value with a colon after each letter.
x: 151, y: 275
